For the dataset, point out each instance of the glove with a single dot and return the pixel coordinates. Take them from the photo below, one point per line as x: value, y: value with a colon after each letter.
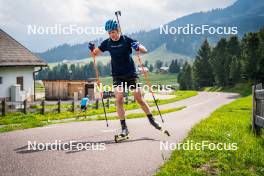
x: 91, y: 46
x: 135, y: 46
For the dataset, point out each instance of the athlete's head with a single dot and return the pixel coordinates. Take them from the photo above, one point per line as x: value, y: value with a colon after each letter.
x: 112, y: 28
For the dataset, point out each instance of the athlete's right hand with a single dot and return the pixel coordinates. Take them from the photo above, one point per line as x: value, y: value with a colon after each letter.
x: 91, y: 46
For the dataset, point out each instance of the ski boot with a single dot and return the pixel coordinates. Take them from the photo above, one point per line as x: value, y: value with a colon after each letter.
x: 122, y: 136
x: 157, y: 126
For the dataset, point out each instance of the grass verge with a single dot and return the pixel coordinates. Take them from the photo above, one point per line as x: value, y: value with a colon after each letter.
x: 139, y: 115
x: 15, y: 118
x: 228, y: 124
x: 32, y: 122
x: 244, y: 89
x: 154, y: 78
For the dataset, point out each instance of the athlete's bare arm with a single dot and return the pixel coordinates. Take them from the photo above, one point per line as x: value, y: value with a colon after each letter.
x: 96, y: 52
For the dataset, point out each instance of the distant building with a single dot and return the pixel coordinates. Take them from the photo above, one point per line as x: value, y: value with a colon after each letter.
x: 65, y: 89
x: 164, y: 69
x: 18, y: 67
x: 75, y: 62
x: 141, y: 70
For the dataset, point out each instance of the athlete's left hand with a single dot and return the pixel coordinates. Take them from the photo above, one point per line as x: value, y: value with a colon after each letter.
x: 135, y: 46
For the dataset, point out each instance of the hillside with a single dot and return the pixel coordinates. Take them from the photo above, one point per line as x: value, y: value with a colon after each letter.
x: 247, y: 15
x: 160, y: 53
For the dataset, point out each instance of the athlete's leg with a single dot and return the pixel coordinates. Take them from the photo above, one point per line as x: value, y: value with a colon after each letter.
x: 119, y: 95
x: 145, y: 108
x: 138, y: 97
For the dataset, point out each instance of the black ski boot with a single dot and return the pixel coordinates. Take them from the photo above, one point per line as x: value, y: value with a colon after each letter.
x: 124, y: 132
x: 153, y: 122
x: 122, y: 136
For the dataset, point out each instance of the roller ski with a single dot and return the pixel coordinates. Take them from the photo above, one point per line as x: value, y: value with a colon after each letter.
x: 122, y: 136
x: 157, y: 125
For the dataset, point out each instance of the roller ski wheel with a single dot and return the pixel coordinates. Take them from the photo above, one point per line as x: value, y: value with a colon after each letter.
x: 121, y: 137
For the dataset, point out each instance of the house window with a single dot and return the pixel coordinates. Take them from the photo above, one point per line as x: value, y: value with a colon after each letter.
x: 1, y: 80
x: 20, y: 81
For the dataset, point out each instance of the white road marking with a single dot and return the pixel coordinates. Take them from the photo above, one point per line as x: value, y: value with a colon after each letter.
x: 109, y: 131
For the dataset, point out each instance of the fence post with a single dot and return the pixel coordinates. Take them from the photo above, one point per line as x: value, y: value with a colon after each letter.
x: 108, y: 103
x: 3, y: 107
x: 25, y: 106
x: 258, y: 112
x: 59, y: 106
x: 43, y: 107
x: 253, y: 109
x: 73, y: 106
x: 96, y: 104
x: 256, y: 109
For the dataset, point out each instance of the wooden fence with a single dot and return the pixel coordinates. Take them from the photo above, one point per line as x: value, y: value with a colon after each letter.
x: 49, y: 106
x: 257, y: 109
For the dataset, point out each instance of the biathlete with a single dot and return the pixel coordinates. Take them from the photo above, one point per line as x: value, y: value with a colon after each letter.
x: 124, y: 72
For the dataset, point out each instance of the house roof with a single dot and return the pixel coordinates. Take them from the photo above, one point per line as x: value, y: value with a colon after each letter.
x: 12, y: 53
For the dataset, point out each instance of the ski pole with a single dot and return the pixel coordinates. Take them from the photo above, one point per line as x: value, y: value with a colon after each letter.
x: 98, y: 84
x: 149, y: 84
x: 116, y: 14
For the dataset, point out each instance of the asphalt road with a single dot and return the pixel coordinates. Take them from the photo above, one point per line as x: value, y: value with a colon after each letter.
x: 140, y: 155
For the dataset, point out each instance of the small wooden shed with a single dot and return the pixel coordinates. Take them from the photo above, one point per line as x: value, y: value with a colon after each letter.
x: 64, y: 89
